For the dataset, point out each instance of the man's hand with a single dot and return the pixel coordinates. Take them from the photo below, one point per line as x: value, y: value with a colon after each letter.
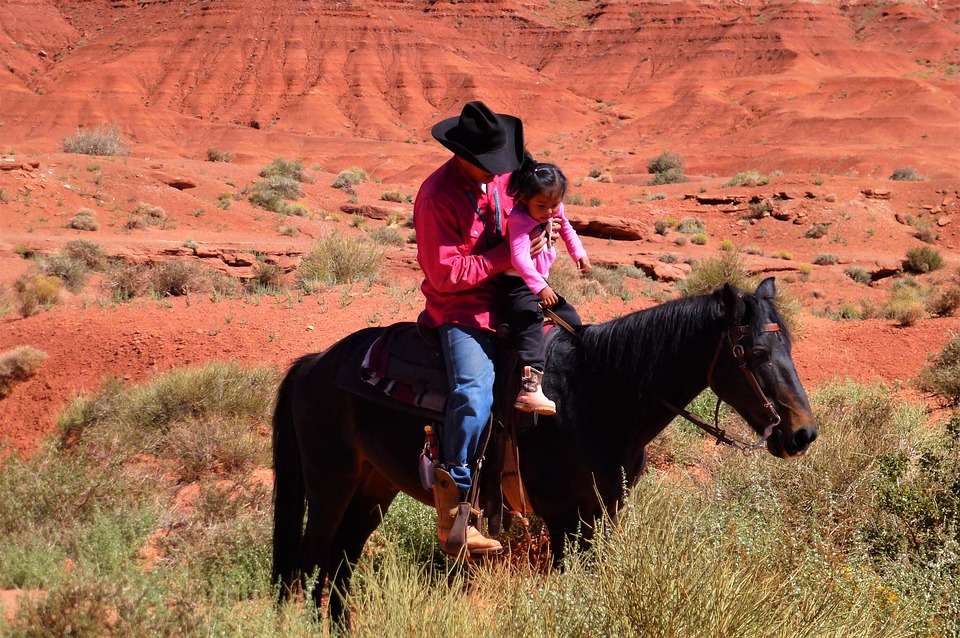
x: 537, y: 243
x: 548, y: 298
x: 584, y: 265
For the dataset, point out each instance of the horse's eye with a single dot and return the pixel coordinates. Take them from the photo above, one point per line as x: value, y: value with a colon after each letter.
x: 761, y: 354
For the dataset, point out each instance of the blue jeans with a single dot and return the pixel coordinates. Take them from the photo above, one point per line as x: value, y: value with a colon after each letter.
x: 469, y: 354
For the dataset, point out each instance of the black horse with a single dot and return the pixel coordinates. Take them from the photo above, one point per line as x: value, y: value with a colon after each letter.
x: 340, y: 460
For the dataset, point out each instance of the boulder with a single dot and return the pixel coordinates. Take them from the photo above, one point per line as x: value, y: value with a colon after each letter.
x: 876, y: 193
x: 883, y: 268
x: 943, y: 221
x: 608, y: 227
x: 660, y: 271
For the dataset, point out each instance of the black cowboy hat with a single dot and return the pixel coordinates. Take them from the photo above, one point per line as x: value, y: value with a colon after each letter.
x: 492, y: 141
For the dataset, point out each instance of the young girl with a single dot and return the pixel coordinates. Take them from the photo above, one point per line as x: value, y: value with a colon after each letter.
x: 538, y: 191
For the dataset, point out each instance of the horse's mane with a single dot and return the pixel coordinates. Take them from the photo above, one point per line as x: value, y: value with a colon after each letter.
x: 653, y: 342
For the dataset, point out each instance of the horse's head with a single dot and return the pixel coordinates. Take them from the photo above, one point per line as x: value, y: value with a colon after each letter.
x: 753, y: 371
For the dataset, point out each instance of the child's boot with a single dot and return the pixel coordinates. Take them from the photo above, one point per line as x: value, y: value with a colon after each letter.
x: 531, y: 397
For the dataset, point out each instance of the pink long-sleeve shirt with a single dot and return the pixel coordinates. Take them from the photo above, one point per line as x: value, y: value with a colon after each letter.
x: 535, y: 270
x: 461, y: 227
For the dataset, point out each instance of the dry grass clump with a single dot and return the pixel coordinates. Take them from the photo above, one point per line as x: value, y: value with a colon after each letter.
x: 18, y: 364
x: 666, y: 168
x: 72, y: 272
x: 817, y: 231
x: 387, y: 236
x: 340, y: 259
x: 280, y: 182
x: 35, y: 292
x: 87, y: 252
x: 350, y: 177
x: 266, y: 278
x: 125, y: 281
x: 905, y: 304
x: 858, y: 274
x: 396, y: 196
x: 691, y: 226
x: 176, y: 278
x: 944, y: 303
x: 102, y: 140
x: 941, y: 376
x: 83, y: 220
x: 923, y: 260
x: 218, y: 155
x: 749, y: 178
x: 145, y: 215
x: 727, y: 268
x: 166, y: 279
x: 826, y: 259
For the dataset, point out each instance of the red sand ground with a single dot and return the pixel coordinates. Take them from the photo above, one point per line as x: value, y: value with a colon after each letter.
x: 834, y: 95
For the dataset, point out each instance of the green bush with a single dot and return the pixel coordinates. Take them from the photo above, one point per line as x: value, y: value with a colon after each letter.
x: 286, y: 169
x: 340, y: 259
x: 700, y: 239
x: 666, y: 168
x: 858, y: 274
x: 923, y: 260
x: 102, y: 140
x: 691, y: 226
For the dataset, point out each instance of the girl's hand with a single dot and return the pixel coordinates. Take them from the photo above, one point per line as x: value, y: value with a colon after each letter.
x: 548, y: 298
x: 584, y: 265
x: 537, y: 243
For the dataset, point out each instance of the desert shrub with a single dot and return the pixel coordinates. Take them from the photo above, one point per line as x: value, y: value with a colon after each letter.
x: 727, y: 268
x: 288, y: 169
x: 700, y: 239
x: 945, y: 302
x: 748, y: 178
x: 613, y: 280
x: 668, y: 258
x: 760, y: 209
x: 666, y: 168
x: 663, y: 226
x: 218, y: 155
x: 72, y: 272
x: 786, y: 255
x: 905, y: 305
x: 350, y: 177
x: 224, y: 200
x: 680, y: 240
x: 296, y: 210
x: 125, y: 281
x: 288, y: 230
x: 817, y: 231
x: 266, y: 278
x: 395, y: 196
x: 146, y: 215
x: 83, y: 220
x: 691, y: 226
x: 727, y: 245
x: 826, y: 259
x: 340, y: 259
x: 387, y: 236
x: 176, y: 278
x: 753, y: 250
x: 941, y: 376
x: 923, y: 260
x: 905, y: 174
x: 567, y: 282
x: 132, y: 418
x: 575, y: 199
x: 36, y: 292
x: 102, y: 140
x: 858, y: 274
x: 87, y: 252
x: 595, y: 201
x: 18, y: 364
x: 924, y: 230
x: 656, y: 197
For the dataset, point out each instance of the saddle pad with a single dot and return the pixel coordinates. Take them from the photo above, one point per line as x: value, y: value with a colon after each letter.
x: 404, y: 366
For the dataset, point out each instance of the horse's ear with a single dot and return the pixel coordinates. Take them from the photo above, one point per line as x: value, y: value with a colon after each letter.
x: 767, y: 289
x: 731, y: 303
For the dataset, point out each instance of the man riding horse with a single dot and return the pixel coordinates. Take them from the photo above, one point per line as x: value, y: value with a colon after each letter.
x: 460, y: 216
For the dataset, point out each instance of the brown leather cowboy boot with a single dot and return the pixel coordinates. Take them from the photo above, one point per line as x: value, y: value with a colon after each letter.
x: 531, y: 397
x: 450, y: 510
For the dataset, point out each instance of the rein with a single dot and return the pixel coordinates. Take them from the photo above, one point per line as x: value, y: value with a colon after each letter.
x: 732, y: 337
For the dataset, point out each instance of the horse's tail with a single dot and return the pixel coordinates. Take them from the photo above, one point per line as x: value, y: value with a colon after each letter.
x: 288, y: 487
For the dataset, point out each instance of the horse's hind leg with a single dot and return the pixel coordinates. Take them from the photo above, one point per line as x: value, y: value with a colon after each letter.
x: 365, y: 512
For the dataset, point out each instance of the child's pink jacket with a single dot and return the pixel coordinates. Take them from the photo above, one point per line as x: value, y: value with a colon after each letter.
x: 535, y: 270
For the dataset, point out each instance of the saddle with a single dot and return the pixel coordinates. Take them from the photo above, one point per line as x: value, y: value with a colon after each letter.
x: 404, y: 369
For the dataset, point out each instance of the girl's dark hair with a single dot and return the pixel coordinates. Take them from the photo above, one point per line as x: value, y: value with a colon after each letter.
x: 534, y: 178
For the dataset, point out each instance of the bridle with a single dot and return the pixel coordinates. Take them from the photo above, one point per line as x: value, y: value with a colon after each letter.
x: 732, y: 338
